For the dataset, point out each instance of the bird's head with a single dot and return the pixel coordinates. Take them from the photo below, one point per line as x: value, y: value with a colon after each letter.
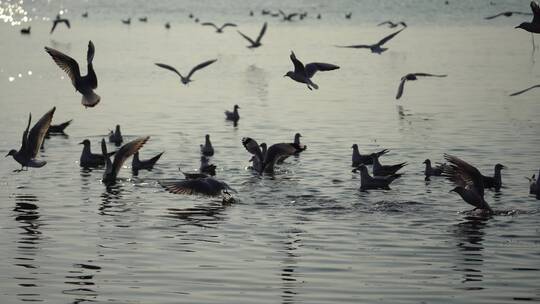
x: 427, y: 161
x: 11, y: 152
x: 523, y: 25
x: 499, y: 167
x: 236, y: 107
x: 289, y: 74
x: 355, y: 146
x: 85, y: 142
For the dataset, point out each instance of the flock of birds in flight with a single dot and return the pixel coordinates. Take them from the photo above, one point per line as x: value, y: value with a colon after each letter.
x: 469, y: 182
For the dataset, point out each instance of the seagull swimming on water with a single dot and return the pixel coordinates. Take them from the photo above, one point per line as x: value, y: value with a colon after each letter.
x: 392, y: 24
x: 368, y: 182
x: 207, y: 149
x: 31, y: 142
x: 433, y: 171
x: 264, y: 162
x: 57, y: 20
x: 233, y: 116
x: 366, y: 159
x: 187, y: 79
x: 384, y: 170
x: 147, y: 164
x: 469, y: 182
x: 84, y: 84
x: 525, y: 90
x: 59, y: 128
x: 257, y: 43
x: 494, y: 181
x: 219, y: 29
x: 89, y: 159
x: 127, y: 21
x: 127, y: 150
x: 534, y: 25
x: 375, y: 48
x: 303, y: 73
x: 412, y: 76
x: 115, y: 136
x: 296, y: 144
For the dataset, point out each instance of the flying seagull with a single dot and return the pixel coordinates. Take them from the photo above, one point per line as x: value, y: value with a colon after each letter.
x: 257, y: 42
x: 147, y: 164
x: 127, y: 150
x: 57, y: 20
x: 469, y: 182
x: 89, y: 159
x: 31, y: 142
x: 375, y: 48
x: 143, y: 19
x: 523, y: 91
x: 368, y: 182
x: 303, y: 73
x: 507, y: 14
x: 366, y: 159
x: 126, y: 21
x: 84, y: 84
x: 218, y: 29
x: 534, y: 25
x: 412, y: 76
x: 392, y: 24
x: 207, y: 149
x: 348, y: 15
x: 287, y: 17
x: 85, y: 15
x: 203, y: 186
x: 264, y: 162
x: 187, y: 79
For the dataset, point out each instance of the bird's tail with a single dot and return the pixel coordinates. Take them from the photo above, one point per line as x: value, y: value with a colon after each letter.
x: 90, y: 99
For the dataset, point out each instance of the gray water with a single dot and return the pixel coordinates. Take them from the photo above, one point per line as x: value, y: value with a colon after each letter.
x: 306, y: 235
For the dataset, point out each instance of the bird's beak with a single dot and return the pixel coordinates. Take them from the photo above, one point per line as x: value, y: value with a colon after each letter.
x: 453, y: 190
x: 285, y: 75
x: 81, y: 143
x: 7, y: 155
x: 423, y: 162
x: 504, y: 167
x: 519, y: 26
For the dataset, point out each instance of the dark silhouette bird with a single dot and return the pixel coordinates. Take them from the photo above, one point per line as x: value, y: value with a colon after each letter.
x: 115, y: 136
x: 206, y: 167
x: 257, y: 43
x: 202, y: 186
x: 507, y: 14
x: 26, y: 31
x: 375, y: 48
x: 411, y: 77
x: 148, y: 164
x: 127, y: 150
x: 392, y: 24
x: 143, y: 19
x: 319, y: 16
x: 207, y: 149
x: 187, y: 79
x: 251, y: 13
x: 31, y: 142
x: 534, y: 25
x: 494, y: 181
x: 58, y: 20
x: 533, y: 187
x: 264, y: 162
x: 89, y: 159
x: 384, y: 170
x: 368, y: 182
x: 60, y: 128
x: 167, y: 25
x: 303, y: 73
x: 469, y: 182
x: 525, y: 90
x: 366, y: 159
x: 219, y: 29
x: 348, y: 15
x: 432, y: 171
x: 126, y: 21
x: 265, y: 12
x: 296, y: 144
x: 84, y: 84
x: 85, y: 15
x: 287, y: 17
x: 234, y: 115
x: 196, y: 20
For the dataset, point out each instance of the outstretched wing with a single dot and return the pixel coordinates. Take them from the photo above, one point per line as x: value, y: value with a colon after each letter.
x: 247, y: 38
x: 37, y: 133
x: 385, y: 39
x: 90, y: 57
x: 261, y: 34
x: 464, y: 174
x: 168, y: 67
x: 298, y: 66
x: 66, y: 63
x: 428, y: 75
x: 523, y: 91
x: 53, y: 26
x: 227, y: 24
x: 253, y: 147
x: 126, y: 151
x: 204, y: 186
x: 358, y: 46
x: 494, y: 16
x: 401, y: 87
x: 24, y: 143
x: 210, y: 24
x: 200, y: 66
x: 276, y: 152
x: 312, y: 68
x: 67, y: 23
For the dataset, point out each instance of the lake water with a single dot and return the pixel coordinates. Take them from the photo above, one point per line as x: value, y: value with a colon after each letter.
x: 306, y: 235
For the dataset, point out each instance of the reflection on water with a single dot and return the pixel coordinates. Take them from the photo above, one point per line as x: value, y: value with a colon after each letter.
x: 112, y: 202
x: 206, y: 216
x: 257, y: 79
x: 80, y: 282
x: 289, y: 267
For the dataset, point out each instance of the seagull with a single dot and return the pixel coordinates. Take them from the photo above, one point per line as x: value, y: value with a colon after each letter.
x: 265, y: 12
x: 265, y: 162
x: 115, y: 136
x: 412, y: 76
x: 348, y: 15
x: 287, y: 17
x: 303, y: 73
x: 233, y: 116
x: 26, y: 31
x: 368, y: 182
x: 495, y: 181
x: 112, y: 168
x: 203, y: 186
x: 533, y: 184
x: 196, y: 20
x: 257, y: 43
x: 296, y: 144
x: 31, y: 142
x: 85, y: 15
x: 507, y: 14
x: 380, y: 170
x: 190, y: 16
x: 143, y: 19
x: 84, y: 84
x: 218, y: 29
x: 534, y: 25
x: 251, y: 13
x: 523, y: 91
x: 375, y: 48
x: 469, y: 182
x: 137, y: 164
x: 187, y: 79
x: 206, y: 167
x: 59, y: 129
x: 392, y: 24
x: 167, y: 25
x: 366, y: 159
x: 57, y: 20
x: 89, y: 159
x: 127, y: 21
x: 207, y: 149
x: 433, y: 171
x: 318, y: 16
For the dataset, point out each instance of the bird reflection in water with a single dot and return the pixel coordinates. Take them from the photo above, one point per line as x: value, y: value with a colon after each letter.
x: 257, y: 80
x: 289, y: 266
x: 28, y: 217
x: 470, y: 236
x: 111, y: 201
x: 205, y: 216
x: 80, y: 281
